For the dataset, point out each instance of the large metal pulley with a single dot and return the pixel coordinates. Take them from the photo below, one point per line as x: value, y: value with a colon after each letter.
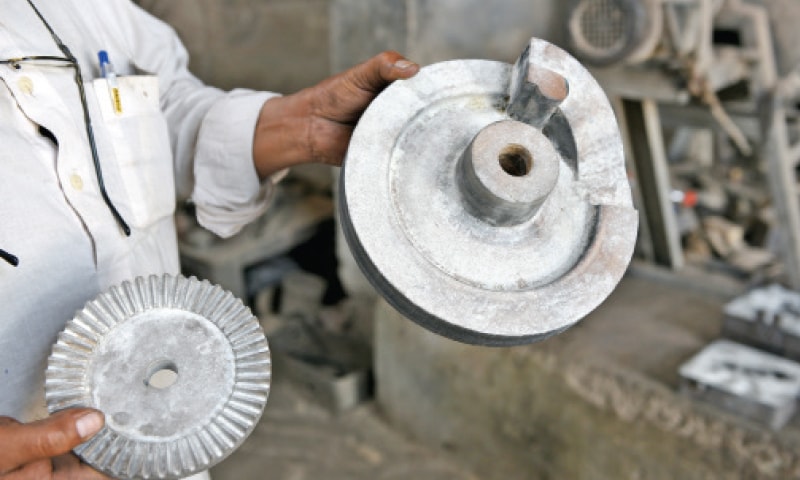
x: 490, y: 202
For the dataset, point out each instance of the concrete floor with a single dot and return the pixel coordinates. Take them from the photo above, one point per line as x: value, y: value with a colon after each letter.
x: 299, y: 436
x: 646, y: 328
x: 597, y: 402
x: 298, y: 439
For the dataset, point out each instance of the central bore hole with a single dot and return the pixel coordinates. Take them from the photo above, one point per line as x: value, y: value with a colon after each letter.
x: 162, y: 375
x: 516, y: 160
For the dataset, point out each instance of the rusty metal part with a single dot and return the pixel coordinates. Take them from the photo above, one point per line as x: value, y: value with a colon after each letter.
x: 535, y: 93
x: 490, y: 202
x: 179, y: 367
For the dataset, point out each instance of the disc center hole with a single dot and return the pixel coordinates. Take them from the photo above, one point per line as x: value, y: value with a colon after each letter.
x: 516, y: 160
x: 162, y: 375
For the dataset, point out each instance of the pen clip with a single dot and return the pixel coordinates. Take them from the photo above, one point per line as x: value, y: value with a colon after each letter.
x: 102, y: 56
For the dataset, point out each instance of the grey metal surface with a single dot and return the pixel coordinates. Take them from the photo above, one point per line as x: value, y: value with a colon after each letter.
x: 179, y: 367
x: 463, y: 243
x: 744, y: 381
x: 781, y: 175
x: 767, y: 318
x: 648, y: 154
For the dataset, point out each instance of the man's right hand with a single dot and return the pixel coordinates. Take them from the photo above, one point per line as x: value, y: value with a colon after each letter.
x: 41, y: 450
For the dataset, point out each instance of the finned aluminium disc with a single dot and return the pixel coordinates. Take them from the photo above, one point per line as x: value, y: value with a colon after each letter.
x: 179, y: 367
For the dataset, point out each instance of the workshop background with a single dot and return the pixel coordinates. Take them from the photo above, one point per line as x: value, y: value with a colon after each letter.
x: 706, y: 95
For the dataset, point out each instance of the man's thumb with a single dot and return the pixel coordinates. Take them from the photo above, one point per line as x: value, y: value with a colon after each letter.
x: 379, y: 71
x: 50, y: 437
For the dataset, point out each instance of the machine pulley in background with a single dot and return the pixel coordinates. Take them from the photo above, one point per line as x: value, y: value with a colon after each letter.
x: 490, y: 202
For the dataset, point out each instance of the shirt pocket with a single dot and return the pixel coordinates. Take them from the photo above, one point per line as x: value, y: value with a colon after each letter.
x: 139, y: 137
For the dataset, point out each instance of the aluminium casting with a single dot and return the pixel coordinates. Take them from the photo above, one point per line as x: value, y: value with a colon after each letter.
x: 490, y: 202
x: 179, y: 367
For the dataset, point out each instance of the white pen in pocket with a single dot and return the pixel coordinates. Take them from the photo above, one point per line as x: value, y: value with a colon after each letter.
x: 107, y: 70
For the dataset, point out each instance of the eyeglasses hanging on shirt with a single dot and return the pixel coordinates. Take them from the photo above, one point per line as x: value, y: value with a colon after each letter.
x: 11, y: 259
x: 68, y: 60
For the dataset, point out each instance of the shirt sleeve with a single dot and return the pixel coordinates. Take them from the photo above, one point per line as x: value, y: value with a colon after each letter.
x: 227, y: 191
x: 211, y: 131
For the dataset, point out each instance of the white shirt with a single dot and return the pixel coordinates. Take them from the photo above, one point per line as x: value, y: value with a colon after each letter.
x: 174, y: 135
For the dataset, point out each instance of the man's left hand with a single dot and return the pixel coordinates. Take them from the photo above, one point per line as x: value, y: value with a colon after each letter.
x: 315, y: 124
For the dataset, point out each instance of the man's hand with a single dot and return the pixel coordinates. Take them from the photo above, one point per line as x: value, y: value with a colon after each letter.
x: 315, y: 124
x: 41, y: 450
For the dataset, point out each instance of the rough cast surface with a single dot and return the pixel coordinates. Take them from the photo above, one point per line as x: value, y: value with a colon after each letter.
x: 450, y: 242
x: 179, y: 367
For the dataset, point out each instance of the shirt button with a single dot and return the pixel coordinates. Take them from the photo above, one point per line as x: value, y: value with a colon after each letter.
x: 26, y: 85
x: 76, y: 181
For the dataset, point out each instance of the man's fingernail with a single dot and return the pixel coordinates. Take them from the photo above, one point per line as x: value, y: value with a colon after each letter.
x: 89, y: 424
x: 404, y: 64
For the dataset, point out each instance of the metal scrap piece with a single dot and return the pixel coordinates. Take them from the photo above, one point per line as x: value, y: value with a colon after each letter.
x: 179, y: 367
x: 767, y: 317
x: 743, y: 380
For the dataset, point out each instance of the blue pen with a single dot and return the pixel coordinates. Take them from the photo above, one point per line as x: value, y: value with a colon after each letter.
x: 107, y: 70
